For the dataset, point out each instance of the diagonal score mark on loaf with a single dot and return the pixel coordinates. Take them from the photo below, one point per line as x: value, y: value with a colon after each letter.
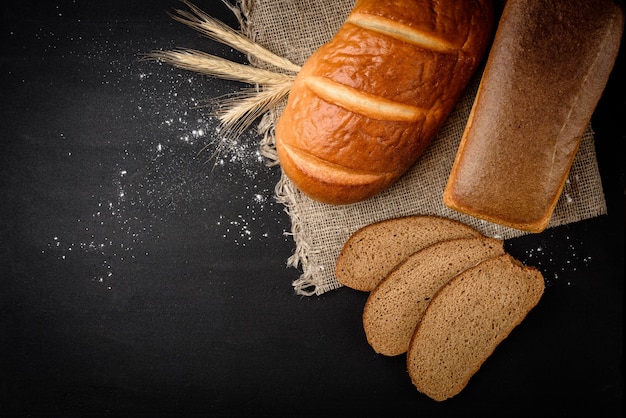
x: 402, y: 32
x: 333, y: 173
x: 371, y: 105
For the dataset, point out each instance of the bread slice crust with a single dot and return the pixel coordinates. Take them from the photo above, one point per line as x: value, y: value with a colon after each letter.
x: 372, y: 252
x: 395, y: 307
x: 465, y: 322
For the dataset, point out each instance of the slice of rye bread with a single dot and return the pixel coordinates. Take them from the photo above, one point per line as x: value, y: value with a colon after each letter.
x: 465, y: 322
x: 396, y: 305
x: 373, y: 251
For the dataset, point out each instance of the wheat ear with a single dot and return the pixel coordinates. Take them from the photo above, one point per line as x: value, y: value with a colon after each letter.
x: 223, y: 33
x: 239, y: 111
x: 211, y: 65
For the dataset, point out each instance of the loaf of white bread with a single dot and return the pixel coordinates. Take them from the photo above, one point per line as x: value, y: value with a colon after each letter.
x: 545, y: 73
x: 366, y: 104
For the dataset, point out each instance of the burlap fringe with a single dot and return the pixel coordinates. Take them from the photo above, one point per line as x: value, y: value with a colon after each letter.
x: 197, y: 61
x: 285, y: 191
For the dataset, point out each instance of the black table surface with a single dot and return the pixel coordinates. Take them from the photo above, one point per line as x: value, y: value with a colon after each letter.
x: 141, y: 277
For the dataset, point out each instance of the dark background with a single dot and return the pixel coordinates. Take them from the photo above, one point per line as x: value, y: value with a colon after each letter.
x: 140, y: 277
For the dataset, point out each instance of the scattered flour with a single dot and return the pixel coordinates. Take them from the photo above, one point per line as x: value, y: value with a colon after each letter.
x: 174, y: 164
x: 545, y: 257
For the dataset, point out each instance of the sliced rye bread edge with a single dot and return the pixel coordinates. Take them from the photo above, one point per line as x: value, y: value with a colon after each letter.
x: 456, y: 384
x: 365, y: 260
x: 395, y: 307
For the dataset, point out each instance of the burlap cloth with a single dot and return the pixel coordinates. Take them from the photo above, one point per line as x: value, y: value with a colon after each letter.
x: 296, y: 28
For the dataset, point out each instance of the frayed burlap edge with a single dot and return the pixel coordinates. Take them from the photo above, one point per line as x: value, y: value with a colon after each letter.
x: 285, y: 191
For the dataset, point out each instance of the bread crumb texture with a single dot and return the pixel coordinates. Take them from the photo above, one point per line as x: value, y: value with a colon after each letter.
x: 396, y: 305
x: 465, y: 322
x: 373, y: 251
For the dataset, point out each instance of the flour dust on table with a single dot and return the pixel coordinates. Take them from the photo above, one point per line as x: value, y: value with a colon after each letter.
x: 175, y: 164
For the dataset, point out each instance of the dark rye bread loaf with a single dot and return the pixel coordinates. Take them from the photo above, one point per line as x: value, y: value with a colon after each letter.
x: 546, y: 71
x: 374, y: 250
x: 397, y: 304
x: 465, y: 322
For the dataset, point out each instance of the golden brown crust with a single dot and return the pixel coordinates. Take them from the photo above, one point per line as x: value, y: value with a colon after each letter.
x: 546, y: 71
x: 408, y: 61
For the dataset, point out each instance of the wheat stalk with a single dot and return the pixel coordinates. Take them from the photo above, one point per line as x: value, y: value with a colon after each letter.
x: 238, y: 112
x: 211, y: 65
x: 241, y: 110
x: 223, y: 33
